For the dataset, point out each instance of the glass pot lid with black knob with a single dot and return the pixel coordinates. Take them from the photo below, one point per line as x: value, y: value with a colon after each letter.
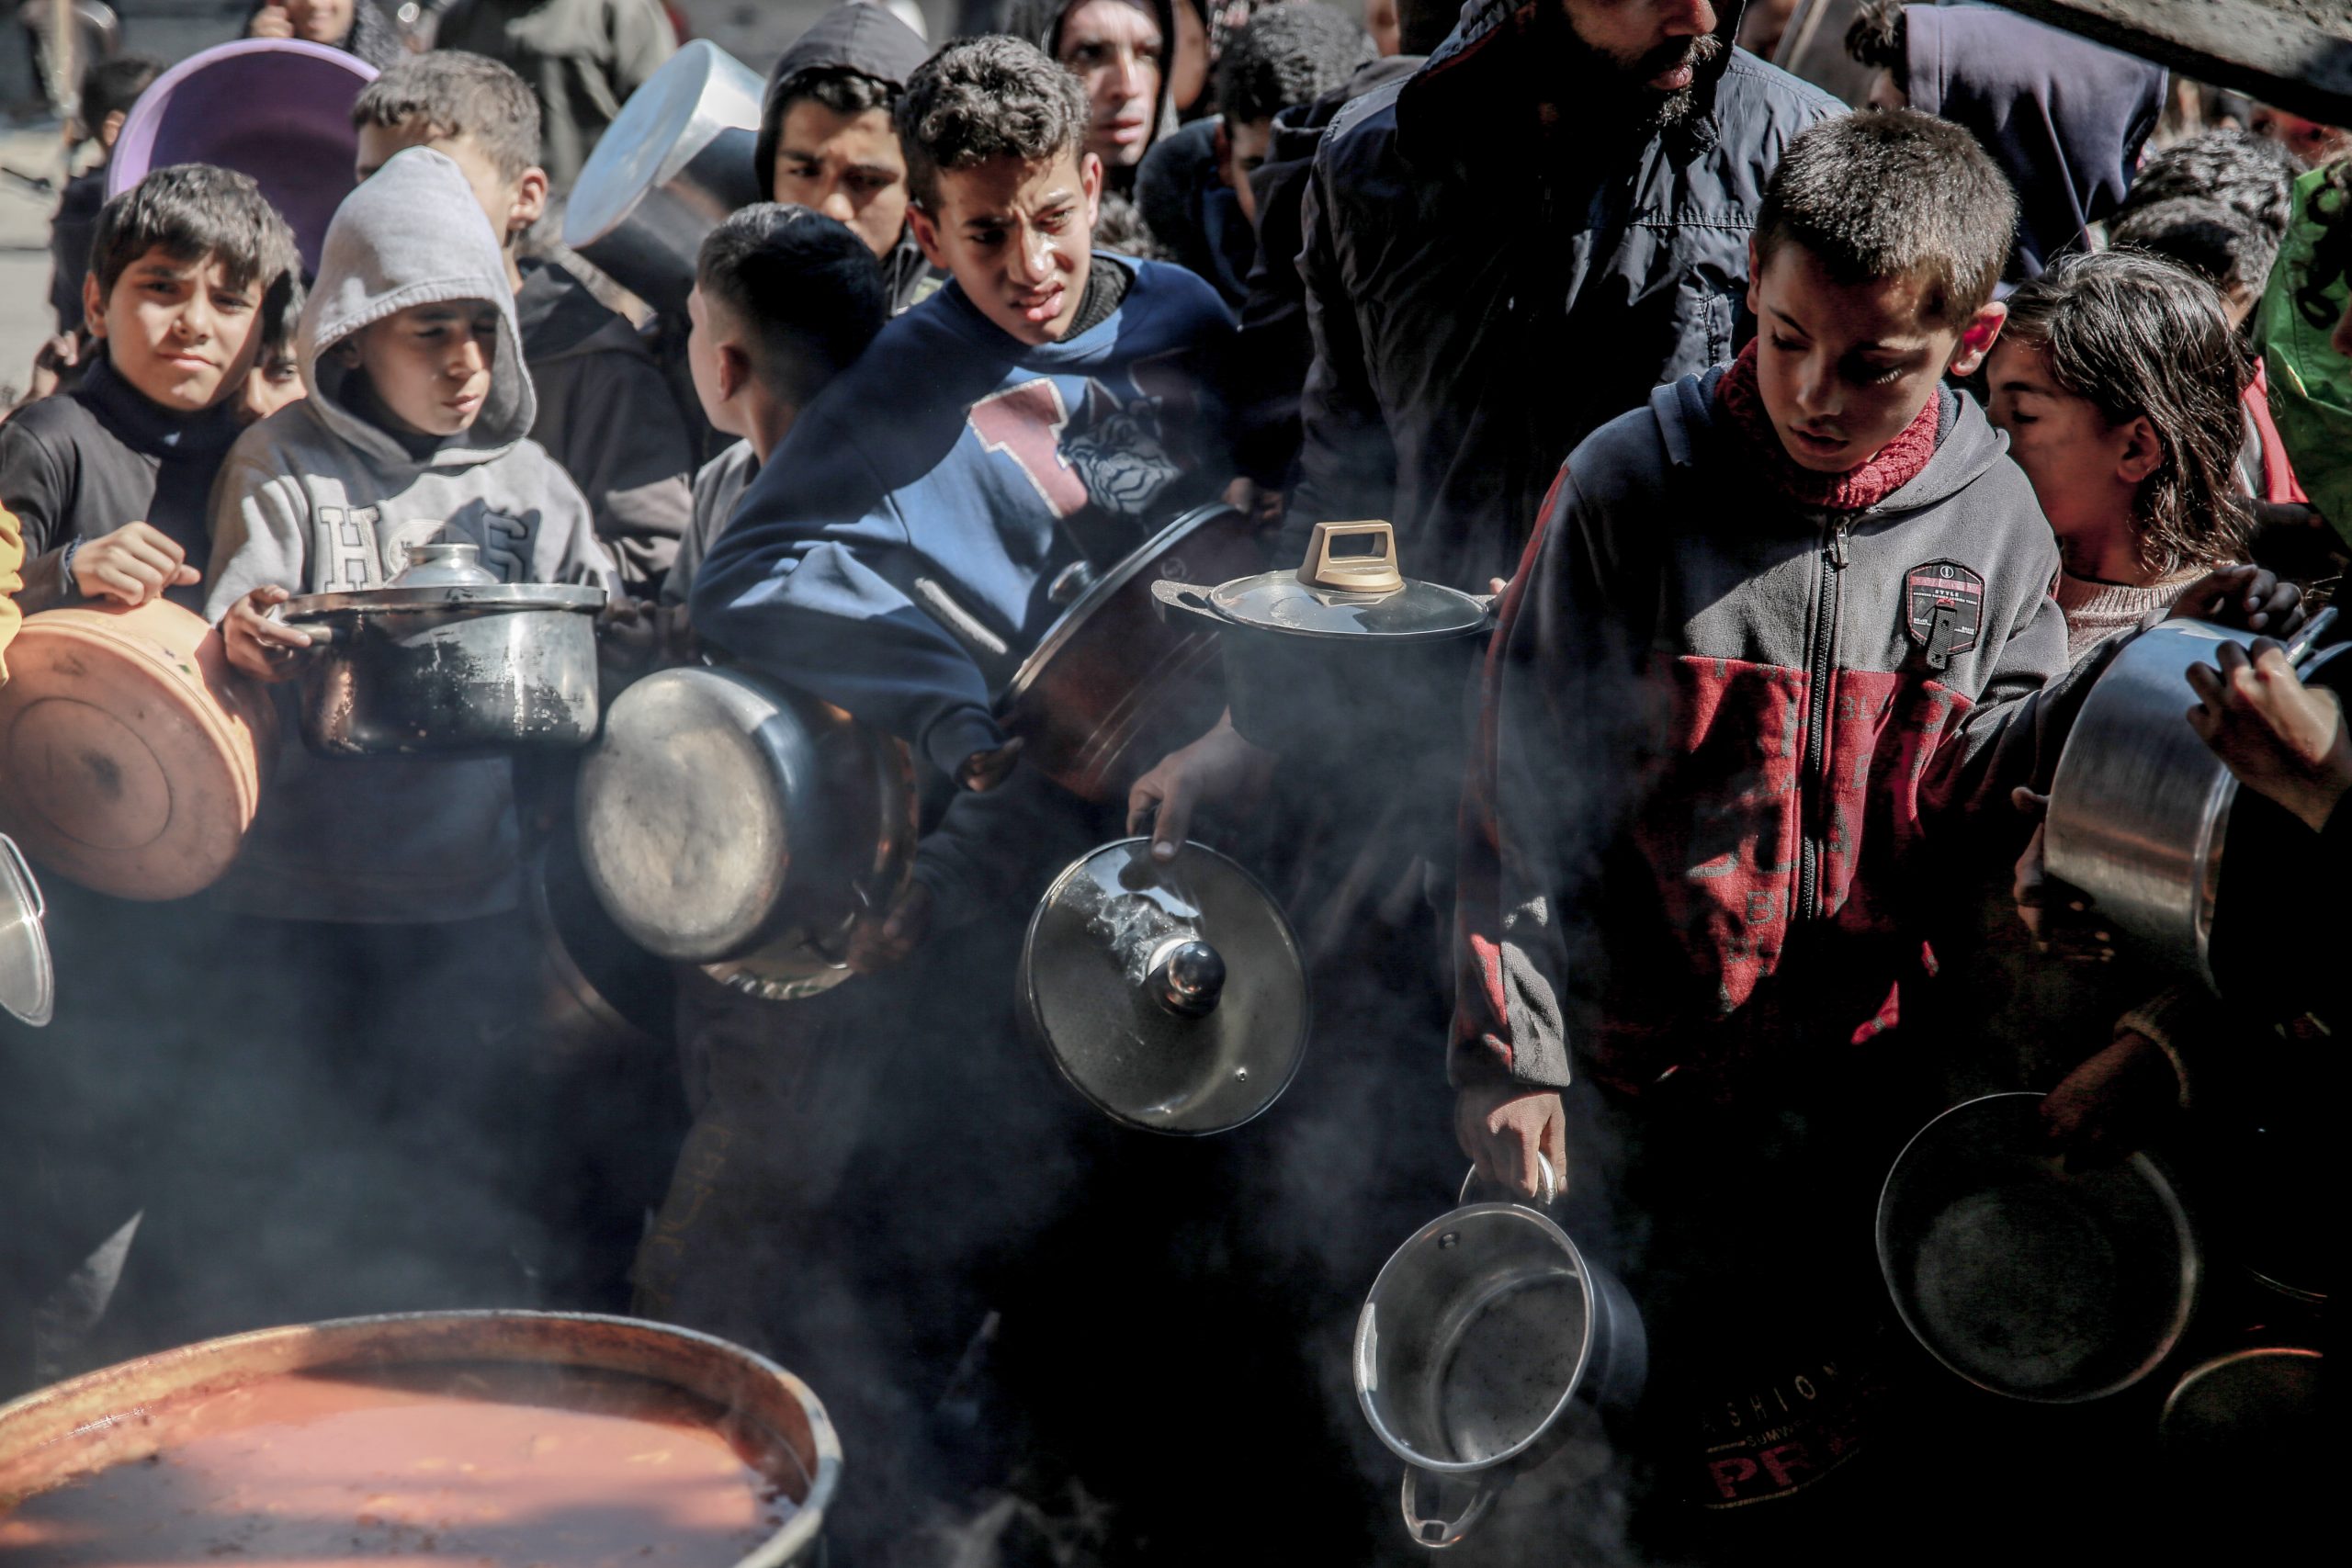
x: 1172, y: 997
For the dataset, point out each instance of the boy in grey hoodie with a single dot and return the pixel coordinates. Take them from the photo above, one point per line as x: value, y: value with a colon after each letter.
x: 413, y: 431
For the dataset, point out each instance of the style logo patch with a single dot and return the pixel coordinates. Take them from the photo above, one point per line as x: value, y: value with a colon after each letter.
x: 1943, y: 609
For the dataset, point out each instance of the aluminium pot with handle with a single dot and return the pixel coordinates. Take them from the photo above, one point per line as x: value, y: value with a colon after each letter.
x: 2143, y: 815
x: 1489, y: 1346
x: 1344, y: 656
x: 447, y: 661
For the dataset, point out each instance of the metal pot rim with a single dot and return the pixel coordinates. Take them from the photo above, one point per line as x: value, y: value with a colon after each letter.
x: 361, y: 604
x: 1099, y: 593
x: 1550, y: 1230
x: 2166, y: 1194
x: 1479, y: 613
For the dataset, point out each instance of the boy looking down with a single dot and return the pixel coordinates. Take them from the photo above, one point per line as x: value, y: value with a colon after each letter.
x: 1777, y: 633
x: 413, y: 432
x: 112, y: 480
x: 1040, y: 414
x: 606, y: 413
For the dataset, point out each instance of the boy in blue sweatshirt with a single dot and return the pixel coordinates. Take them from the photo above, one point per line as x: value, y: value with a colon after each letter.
x: 1044, y: 410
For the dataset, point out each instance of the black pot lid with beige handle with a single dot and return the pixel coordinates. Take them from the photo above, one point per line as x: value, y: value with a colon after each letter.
x: 1172, y: 997
x: 27, y: 980
x: 1350, y: 585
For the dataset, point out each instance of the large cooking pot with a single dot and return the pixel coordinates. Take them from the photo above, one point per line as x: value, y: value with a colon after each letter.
x: 1170, y: 995
x: 733, y: 822
x: 675, y: 161
x: 132, y: 756
x: 136, y: 1414
x: 1114, y: 686
x: 2027, y: 1278
x: 1344, y: 657
x: 1488, y: 1347
x: 447, y: 661
x: 2140, y: 809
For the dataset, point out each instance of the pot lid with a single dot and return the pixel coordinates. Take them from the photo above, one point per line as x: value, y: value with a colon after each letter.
x: 1172, y: 997
x: 131, y: 756
x: 458, y: 596
x: 1350, y: 586
x: 28, y: 982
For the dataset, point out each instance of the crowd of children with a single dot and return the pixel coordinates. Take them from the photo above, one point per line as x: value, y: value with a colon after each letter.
x: 1819, y: 462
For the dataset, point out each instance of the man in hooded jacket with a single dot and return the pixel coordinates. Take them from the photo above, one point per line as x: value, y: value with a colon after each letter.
x: 871, y: 52
x: 1055, y: 26
x: 1514, y: 247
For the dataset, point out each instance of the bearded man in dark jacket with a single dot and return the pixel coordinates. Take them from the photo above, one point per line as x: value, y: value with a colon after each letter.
x: 1513, y: 247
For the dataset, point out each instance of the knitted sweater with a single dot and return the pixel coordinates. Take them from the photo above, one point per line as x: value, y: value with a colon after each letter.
x: 2096, y: 610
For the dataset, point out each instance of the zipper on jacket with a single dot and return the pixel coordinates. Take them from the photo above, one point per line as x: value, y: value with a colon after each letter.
x: 1810, y: 797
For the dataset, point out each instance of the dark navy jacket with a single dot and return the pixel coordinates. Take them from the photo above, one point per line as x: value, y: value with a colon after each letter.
x: 1478, y: 305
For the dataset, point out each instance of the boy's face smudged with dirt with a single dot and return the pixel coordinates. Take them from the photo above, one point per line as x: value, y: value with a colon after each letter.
x: 1845, y: 367
x: 1018, y: 238
x: 177, y: 329
x: 429, y: 365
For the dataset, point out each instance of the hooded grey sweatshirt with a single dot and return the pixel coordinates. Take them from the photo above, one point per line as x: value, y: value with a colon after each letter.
x: 317, y: 499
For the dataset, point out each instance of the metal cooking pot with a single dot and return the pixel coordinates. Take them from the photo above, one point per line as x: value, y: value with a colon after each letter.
x: 71, y: 1429
x: 2025, y: 1277
x: 600, y: 994
x: 1344, y: 657
x: 2254, y: 1418
x: 2140, y: 809
x: 733, y: 822
x: 1488, y: 1347
x: 1113, y: 686
x: 1172, y: 997
x: 675, y: 162
x: 447, y: 660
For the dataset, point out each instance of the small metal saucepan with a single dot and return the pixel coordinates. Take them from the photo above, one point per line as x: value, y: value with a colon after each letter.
x: 2024, y: 1277
x: 1344, y: 657
x: 1489, y: 1345
x: 447, y: 660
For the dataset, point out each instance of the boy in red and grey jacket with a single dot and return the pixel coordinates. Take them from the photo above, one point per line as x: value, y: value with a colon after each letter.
x: 1779, y: 635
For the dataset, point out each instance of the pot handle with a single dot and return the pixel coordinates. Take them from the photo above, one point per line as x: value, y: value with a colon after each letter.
x: 25, y: 874
x: 321, y: 636
x: 1185, y: 597
x: 2299, y: 646
x: 1370, y: 570
x: 1438, y: 1534
x: 1548, y: 1182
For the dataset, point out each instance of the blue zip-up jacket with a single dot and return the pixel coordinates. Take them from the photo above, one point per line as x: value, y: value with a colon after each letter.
x: 894, y: 556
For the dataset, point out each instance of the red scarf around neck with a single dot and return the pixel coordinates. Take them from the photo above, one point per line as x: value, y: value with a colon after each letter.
x: 1897, y: 463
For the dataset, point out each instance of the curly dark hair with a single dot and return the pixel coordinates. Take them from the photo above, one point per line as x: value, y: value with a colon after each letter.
x: 983, y: 98
x: 2139, y: 335
x: 2329, y: 206
x: 1881, y: 38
